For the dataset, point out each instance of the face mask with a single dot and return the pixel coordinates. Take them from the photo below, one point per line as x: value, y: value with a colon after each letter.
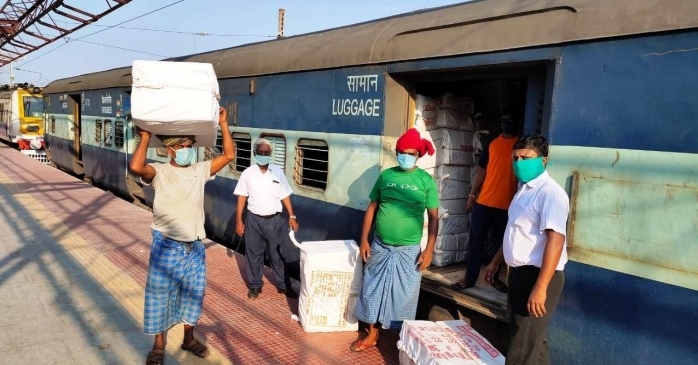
x: 406, y: 161
x: 510, y: 128
x: 183, y: 156
x: 527, y: 170
x: 262, y: 160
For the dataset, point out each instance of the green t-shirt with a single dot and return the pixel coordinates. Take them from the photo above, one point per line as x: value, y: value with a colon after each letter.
x: 402, y: 197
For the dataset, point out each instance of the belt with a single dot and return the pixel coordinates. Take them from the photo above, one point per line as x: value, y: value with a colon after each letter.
x: 267, y: 216
x: 527, y: 268
x: 523, y: 268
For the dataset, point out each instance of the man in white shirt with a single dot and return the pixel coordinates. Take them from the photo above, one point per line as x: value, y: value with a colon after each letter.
x: 264, y: 188
x: 534, y: 247
x: 176, y: 283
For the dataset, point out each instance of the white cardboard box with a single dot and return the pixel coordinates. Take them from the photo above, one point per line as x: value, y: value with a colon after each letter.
x: 445, y: 343
x: 176, y: 98
x: 331, y: 279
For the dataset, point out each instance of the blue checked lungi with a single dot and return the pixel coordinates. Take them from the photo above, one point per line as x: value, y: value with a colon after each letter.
x: 391, y: 285
x: 174, y: 290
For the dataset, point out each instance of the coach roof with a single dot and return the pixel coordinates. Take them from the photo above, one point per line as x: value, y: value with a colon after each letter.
x: 473, y: 27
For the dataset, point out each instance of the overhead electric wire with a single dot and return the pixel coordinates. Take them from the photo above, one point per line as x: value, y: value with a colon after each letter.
x: 183, y: 32
x: 99, y: 31
x: 122, y: 48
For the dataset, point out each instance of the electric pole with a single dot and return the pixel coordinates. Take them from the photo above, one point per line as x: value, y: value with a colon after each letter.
x: 280, y: 34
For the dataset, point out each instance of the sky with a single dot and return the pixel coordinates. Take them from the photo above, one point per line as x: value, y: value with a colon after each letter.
x: 223, y: 23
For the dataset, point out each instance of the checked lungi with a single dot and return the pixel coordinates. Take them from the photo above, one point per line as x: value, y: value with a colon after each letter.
x: 391, y: 285
x: 174, y: 290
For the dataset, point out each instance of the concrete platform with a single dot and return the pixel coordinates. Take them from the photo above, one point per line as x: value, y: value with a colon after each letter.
x: 73, y: 263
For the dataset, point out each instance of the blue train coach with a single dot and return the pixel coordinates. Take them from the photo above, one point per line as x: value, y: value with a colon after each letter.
x: 612, y: 84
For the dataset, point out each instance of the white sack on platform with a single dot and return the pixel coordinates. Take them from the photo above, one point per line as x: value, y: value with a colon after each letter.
x: 176, y: 98
x: 331, y: 279
x: 445, y: 343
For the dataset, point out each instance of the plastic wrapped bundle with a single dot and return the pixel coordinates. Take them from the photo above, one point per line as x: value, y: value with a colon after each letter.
x: 176, y: 98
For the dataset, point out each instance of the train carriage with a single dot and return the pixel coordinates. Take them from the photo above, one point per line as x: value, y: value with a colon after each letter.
x: 21, y: 119
x: 613, y: 85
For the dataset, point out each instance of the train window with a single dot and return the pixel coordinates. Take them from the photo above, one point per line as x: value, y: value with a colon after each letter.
x: 312, y: 161
x: 119, y: 134
x: 243, y: 151
x: 136, y: 137
x: 108, y: 133
x: 216, y: 150
x: 278, y: 146
x: 98, y: 131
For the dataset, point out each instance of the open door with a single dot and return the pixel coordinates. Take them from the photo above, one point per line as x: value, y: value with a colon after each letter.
x: 76, y: 106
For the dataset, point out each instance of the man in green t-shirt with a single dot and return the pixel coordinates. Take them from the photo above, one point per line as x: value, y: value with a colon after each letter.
x: 394, y: 261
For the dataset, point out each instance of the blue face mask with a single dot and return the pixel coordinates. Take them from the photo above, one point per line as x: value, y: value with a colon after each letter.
x: 527, y: 170
x: 262, y: 160
x: 184, y: 156
x: 406, y: 161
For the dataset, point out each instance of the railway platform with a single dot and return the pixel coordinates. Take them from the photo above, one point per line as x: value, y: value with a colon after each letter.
x: 73, y: 263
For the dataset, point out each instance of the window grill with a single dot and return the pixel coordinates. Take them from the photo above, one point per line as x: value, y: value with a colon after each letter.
x: 243, y: 151
x: 278, y: 146
x: 108, y: 133
x: 98, y: 131
x: 312, y: 162
x: 119, y: 134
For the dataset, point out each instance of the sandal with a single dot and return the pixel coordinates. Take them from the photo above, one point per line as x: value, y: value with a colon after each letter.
x: 358, y: 346
x: 459, y: 285
x: 196, y: 348
x: 155, y: 357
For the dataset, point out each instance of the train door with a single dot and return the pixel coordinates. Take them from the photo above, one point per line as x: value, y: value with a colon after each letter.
x: 76, y: 131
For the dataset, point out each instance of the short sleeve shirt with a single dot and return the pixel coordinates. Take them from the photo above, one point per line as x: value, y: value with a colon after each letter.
x: 539, y: 205
x: 402, y: 198
x: 499, y: 186
x: 264, y: 191
x: 178, y: 207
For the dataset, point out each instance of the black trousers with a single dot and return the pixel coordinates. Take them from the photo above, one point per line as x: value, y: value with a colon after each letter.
x: 482, y: 219
x: 264, y: 234
x: 527, y: 344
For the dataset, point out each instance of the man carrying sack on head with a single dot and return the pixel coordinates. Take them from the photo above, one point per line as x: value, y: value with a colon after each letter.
x: 174, y: 289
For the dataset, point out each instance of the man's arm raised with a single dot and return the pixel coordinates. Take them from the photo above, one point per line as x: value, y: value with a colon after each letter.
x: 138, y: 165
x: 228, y: 154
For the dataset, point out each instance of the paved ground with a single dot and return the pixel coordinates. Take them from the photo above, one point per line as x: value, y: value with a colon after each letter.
x: 73, y: 262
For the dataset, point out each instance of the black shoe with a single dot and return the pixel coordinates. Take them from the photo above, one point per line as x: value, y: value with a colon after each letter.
x: 500, y: 286
x: 254, y: 293
x: 288, y: 293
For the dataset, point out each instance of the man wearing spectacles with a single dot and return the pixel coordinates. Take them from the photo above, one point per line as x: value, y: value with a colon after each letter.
x: 264, y: 188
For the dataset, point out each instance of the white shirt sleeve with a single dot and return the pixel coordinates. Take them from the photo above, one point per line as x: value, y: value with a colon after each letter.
x: 241, y: 187
x: 205, y: 171
x: 554, y: 211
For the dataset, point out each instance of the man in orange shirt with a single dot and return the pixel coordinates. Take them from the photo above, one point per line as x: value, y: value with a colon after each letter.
x: 491, y: 194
